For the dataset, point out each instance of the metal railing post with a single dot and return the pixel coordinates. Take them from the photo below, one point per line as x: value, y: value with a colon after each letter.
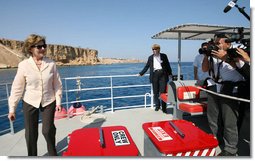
x: 12, y: 127
x: 67, y: 104
x: 11, y: 122
x: 152, y: 96
x: 111, y: 94
x: 145, y: 99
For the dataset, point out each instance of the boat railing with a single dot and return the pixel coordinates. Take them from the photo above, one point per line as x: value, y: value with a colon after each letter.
x: 76, y: 86
x: 4, y: 100
x: 69, y: 90
x: 111, y: 87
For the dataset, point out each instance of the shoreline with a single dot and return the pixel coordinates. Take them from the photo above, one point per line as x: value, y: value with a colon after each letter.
x: 70, y: 65
x: 73, y: 64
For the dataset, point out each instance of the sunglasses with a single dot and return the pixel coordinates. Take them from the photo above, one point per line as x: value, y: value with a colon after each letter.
x: 154, y: 49
x: 40, y: 46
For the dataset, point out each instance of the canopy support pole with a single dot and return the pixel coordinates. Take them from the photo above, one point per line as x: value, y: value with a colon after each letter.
x: 179, y: 56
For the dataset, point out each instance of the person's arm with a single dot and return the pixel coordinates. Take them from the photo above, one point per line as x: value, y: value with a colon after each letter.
x: 244, y: 55
x: 17, y: 90
x: 57, y: 88
x: 244, y: 69
x: 195, y: 73
x: 146, y: 67
x: 205, y: 64
x: 222, y: 55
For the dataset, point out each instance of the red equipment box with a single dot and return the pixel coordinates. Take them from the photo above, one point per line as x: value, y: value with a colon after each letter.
x: 103, y: 141
x: 177, y: 138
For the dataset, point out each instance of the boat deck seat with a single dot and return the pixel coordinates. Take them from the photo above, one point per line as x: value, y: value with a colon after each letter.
x: 190, y: 101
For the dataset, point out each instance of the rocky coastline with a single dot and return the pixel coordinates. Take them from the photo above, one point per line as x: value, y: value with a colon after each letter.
x: 63, y: 55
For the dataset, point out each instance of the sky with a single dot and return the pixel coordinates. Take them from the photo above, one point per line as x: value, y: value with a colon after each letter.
x: 116, y: 28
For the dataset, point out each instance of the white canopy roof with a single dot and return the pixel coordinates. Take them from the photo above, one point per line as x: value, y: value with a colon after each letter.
x: 198, y: 32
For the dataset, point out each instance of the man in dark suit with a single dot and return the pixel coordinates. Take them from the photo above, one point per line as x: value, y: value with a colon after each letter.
x: 160, y: 69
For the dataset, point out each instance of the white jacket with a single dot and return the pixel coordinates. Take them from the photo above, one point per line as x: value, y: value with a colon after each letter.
x: 36, y: 86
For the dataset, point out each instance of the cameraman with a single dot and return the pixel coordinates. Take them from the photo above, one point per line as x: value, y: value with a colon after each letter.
x: 241, y: 62
x: 199, y: 75
x: 222, y: 113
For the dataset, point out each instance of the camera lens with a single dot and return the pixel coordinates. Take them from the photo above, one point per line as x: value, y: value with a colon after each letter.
x: 232, y: 53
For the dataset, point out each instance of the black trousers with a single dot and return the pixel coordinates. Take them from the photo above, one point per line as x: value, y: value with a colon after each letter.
x: 159, y: 82
x: 244, y: 121
x: 244, y: 130
x: 31, y: 119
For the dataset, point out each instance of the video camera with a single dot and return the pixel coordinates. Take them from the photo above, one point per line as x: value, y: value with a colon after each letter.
x: 208, y: 47
x: 236, y: 39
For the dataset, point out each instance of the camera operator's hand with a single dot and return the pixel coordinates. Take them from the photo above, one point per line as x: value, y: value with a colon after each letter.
x: 223, y: 55
x: 220, y: 54
x: 244, y: 54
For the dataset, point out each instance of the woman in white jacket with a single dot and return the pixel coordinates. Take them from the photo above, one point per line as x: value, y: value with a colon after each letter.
x: 38, y: 82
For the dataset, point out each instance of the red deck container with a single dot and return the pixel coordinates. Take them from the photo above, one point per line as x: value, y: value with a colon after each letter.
x: 86, y: 142
x: 161, y: 139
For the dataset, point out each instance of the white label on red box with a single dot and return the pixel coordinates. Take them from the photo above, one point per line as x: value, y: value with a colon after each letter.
x: 189, y: 95
x: 160, y: 134
x: 120, y: 138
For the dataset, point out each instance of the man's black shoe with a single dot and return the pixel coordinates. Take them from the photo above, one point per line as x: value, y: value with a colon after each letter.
x: 225, y: 153
x: 164, y: 111
x: 157, y: 108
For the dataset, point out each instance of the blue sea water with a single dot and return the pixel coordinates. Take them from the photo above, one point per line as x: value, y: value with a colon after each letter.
x: 7, y: 76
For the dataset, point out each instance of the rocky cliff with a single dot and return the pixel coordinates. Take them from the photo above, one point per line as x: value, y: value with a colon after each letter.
x: 11, y: 55
x: 62, y: 54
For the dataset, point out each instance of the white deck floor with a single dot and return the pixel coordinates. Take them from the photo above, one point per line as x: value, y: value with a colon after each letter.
x: 132, y: 119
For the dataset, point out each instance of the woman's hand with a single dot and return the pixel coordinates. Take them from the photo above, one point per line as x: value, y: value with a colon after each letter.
x: 12, y: 116
x: 58, y: 108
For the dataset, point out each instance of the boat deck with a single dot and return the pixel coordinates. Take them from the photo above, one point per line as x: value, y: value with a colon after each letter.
x: 132, y: 119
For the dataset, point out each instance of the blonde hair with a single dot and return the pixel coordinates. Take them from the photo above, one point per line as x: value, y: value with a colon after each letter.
x: 31, y: 40
x: 155, y: 46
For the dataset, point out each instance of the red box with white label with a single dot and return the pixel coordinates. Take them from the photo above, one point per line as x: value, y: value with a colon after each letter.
x: 110, y: 141
x: 162, y: 139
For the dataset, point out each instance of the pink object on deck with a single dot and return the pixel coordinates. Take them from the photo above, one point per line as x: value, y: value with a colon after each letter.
x: 60, y: 115
x: 72, y: 111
